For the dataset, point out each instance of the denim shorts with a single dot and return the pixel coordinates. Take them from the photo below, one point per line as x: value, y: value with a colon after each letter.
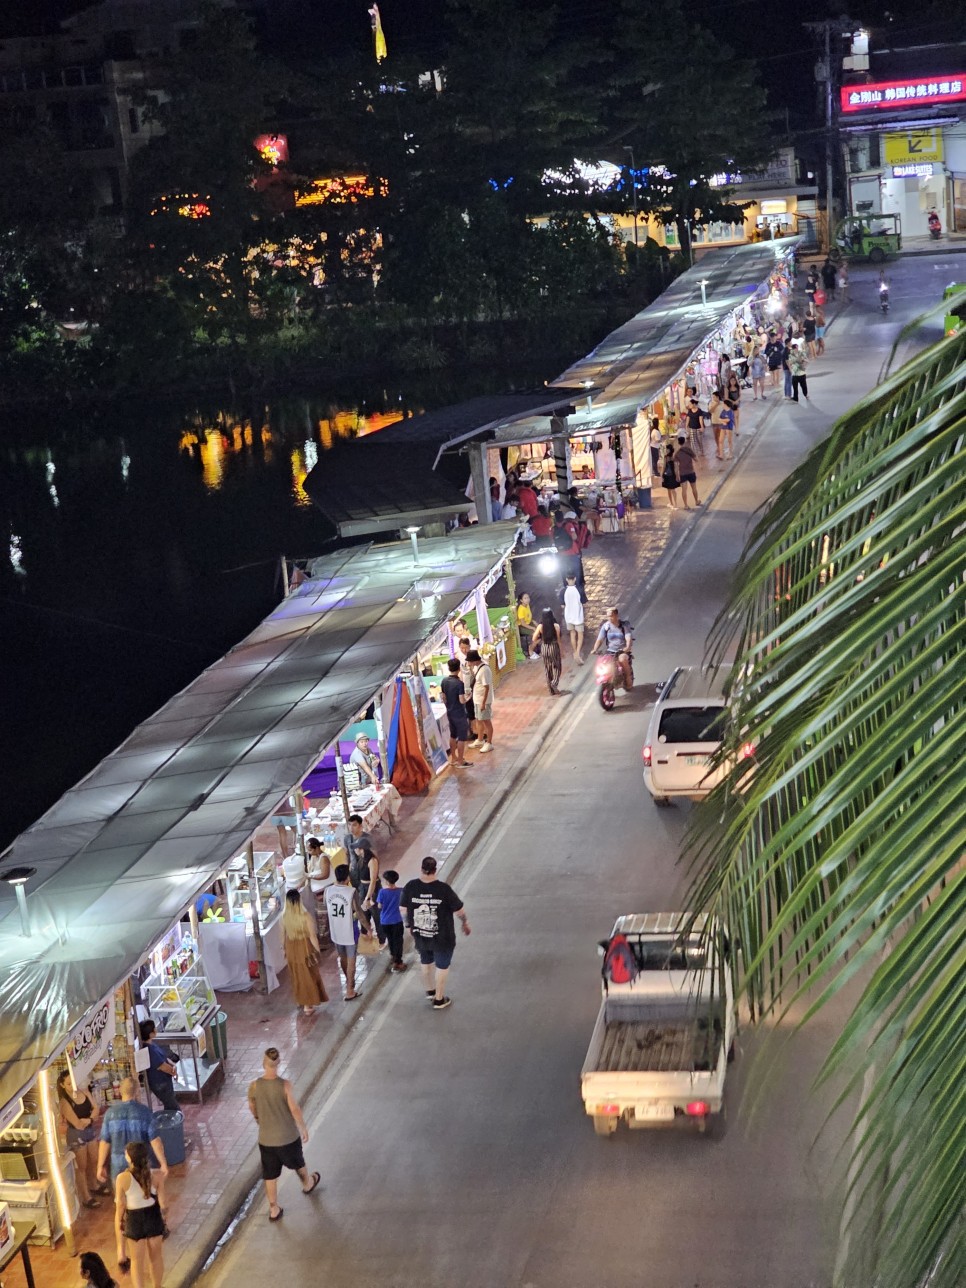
x: 430, y: 955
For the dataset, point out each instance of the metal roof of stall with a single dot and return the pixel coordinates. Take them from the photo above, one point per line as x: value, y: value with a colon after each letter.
x: 636, y: 362
x: 386, y: 480
x: 121, y: 855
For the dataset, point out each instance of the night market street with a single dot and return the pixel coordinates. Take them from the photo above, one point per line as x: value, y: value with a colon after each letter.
x: 453, y: 1147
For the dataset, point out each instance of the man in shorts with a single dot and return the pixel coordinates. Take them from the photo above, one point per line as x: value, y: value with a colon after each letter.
x: 574, y: 617
x: 345, y: 912
x: 281, y: 1130
x: 454, y: 695
x: 430, y: 906
x: 467, y: 671
x: 482, y: 702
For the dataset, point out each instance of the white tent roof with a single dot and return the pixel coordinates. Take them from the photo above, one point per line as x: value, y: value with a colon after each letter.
x: 121, y: 855
x: 632, y: 365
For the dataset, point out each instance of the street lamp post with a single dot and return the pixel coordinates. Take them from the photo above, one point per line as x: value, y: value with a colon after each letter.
x: 630, y: 151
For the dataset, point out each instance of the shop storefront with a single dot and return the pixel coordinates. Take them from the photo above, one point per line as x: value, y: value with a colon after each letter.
x: 905, y: 141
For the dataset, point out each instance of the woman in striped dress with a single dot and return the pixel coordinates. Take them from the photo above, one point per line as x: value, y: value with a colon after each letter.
x: 547, y: 635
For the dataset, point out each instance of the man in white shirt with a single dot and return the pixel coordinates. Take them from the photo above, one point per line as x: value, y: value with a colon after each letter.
x: 574, y: 617
x: 345, y: 912
x: 482, y: 702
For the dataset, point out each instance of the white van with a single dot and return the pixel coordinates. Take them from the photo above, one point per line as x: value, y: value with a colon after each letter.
x: 684, y: 732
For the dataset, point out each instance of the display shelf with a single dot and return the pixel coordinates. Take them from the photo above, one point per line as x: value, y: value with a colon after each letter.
x: 178, y: 994
x: 268, y: 889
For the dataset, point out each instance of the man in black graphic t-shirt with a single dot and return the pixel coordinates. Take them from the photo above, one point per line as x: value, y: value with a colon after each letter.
x: 431, y: 906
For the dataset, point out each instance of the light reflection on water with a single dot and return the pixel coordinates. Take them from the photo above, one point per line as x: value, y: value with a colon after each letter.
x: 213, y: 441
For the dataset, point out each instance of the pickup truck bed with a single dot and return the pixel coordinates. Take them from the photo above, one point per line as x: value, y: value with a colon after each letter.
x: 658, y: 1037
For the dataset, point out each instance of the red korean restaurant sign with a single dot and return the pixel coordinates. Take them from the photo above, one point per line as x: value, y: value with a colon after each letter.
x: 924, y: 90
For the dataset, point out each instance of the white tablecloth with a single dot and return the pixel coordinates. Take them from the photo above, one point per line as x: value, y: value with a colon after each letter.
x: 382, y: 809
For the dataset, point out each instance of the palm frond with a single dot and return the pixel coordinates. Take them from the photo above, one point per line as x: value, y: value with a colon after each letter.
x: 838, y: 854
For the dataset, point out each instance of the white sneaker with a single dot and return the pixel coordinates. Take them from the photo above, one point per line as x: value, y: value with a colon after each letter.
x: 487, y: 746
x: 474, y: 746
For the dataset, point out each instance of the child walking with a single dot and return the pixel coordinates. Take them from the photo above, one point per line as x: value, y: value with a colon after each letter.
x: 391, y: 918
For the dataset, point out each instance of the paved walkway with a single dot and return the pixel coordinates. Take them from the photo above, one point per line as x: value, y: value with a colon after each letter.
x: 221, y: 1167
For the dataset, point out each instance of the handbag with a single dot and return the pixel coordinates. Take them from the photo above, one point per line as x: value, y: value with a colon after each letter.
x: 368, y: 946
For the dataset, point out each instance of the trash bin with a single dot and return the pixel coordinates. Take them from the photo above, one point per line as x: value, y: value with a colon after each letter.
x: 643, y: 498
x: 169, y: 1124
x: 218, y: 1036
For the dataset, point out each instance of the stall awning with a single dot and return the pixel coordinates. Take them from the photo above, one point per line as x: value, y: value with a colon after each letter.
x: 388, y: 480
x: 120, y: 856
x: 632, y: 365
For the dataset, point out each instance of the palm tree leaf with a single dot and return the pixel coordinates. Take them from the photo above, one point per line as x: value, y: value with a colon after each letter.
x: 837, y: 855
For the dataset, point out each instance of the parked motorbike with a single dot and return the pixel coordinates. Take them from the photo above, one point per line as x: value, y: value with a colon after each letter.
x: 609, y: 675
x: 935, y: 226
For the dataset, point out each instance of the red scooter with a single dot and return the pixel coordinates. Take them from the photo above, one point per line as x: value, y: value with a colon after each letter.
x: 935, y: 226
x: 609, y: 675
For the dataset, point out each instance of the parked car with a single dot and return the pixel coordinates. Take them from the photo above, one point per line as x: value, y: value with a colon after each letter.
x: 684, y: 733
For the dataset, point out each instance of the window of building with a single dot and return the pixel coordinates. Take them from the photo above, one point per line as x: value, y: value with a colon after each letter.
x: 133, y: 120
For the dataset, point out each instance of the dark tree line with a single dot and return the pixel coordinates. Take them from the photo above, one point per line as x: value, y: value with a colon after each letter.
x: 456, y: 243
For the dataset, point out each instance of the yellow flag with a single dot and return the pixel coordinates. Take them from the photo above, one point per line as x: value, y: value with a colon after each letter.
x: 377, y: 33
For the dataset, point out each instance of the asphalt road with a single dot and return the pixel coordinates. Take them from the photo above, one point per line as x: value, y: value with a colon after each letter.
x: 453, y: 1146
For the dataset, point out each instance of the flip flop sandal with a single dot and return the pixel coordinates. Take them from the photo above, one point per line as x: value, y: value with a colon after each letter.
x: 352, y: 998
x: 278, y: 1215
x: 316, y: 1177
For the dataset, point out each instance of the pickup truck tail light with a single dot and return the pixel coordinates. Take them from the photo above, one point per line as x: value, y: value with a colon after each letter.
x: 697, y: 1108
x: 609, y: 1110
x: 646, y: 753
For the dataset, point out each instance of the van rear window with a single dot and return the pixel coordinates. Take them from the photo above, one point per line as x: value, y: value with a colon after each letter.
x: 692, y: 724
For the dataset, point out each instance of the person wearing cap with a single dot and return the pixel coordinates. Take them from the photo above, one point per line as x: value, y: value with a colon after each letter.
x: 365, y: 760
x: 684, y: 460
x: 431, y: 907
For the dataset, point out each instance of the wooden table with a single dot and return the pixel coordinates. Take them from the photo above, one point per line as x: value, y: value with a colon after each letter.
x: 22, y: 1232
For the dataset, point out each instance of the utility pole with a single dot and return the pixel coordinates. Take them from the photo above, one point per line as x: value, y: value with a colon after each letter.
x: 823, y: 72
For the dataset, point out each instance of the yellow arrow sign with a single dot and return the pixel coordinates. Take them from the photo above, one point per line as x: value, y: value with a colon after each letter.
x: 913, y: 146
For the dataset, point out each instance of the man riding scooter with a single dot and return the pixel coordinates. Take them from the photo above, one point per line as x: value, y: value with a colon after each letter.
x: 616, y: 639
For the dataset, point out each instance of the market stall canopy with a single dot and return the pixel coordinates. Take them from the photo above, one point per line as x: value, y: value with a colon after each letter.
x: 386, y: 481
x: 115, y: 862
x: 632, y: 366
x: 368, y: 487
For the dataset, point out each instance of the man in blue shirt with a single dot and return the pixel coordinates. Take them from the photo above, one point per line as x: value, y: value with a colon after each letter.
x: 124, y: 1122
x: 161, y: 1072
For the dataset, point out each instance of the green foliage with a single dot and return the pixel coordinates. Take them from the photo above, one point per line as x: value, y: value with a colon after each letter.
x: 836, y: 856
x: 684, y: 101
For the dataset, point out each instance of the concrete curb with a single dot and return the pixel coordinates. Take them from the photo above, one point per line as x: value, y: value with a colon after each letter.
x: 241, y: 1189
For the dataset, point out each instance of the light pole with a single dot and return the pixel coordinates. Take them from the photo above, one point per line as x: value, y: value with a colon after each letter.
x: 630, y: 151
x: 18, y: 878
x: 413, y: 531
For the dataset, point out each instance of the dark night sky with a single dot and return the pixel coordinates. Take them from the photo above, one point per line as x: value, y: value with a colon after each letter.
x: 772, y: 34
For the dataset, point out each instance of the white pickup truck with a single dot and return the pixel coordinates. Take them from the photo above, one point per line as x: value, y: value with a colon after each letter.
x: 663, y: 1040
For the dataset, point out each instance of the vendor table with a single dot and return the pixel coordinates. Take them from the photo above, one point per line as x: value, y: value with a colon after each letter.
x: 22, y: 1232
x: 374, y: 805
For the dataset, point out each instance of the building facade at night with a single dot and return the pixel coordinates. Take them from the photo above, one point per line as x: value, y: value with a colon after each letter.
x: 87, y: 83
x: 902, y: 121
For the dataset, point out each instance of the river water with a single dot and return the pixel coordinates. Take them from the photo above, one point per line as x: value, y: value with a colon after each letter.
x: 137, y: 546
